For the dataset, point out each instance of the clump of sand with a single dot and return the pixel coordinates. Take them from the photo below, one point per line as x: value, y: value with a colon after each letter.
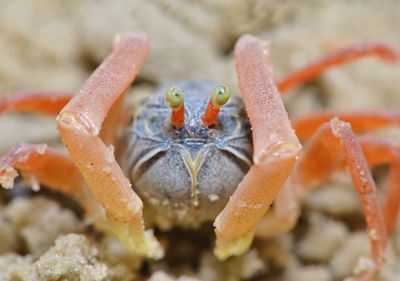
x: 54, y: 248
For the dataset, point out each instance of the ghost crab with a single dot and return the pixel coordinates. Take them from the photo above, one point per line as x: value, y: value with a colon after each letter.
x: 267, y: 162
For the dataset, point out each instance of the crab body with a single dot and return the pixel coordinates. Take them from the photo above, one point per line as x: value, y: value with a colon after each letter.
x: 186, y: 175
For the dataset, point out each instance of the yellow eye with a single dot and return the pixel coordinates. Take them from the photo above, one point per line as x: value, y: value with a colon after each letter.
x: 220, y: 95
x: 174, y: 97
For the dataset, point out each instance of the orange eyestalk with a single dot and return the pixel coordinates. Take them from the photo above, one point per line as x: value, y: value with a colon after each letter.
x: 219, y: 96
x: 174, y: 99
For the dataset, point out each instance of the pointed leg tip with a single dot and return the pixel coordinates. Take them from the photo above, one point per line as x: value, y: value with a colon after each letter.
x: 227, y: 248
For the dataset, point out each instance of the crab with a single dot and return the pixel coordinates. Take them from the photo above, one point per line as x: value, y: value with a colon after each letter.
x: 193, y: 157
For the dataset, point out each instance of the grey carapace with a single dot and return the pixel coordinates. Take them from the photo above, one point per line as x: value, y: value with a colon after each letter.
x: 186, y: 175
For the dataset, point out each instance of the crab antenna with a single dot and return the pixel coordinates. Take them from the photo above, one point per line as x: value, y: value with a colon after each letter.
x: 174, y: 99
x: 219, y: 96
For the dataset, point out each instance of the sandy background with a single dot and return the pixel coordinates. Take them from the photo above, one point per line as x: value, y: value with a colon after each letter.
x: 55, y: 45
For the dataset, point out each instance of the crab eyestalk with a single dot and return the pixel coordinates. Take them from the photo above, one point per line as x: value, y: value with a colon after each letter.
x: 174, y: 99
x: 219, y: 96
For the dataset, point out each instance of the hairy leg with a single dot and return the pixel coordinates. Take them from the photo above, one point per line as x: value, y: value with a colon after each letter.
x: 324, y: 151
x: 377, y: 151
x: 50, y: 167
x: 361, y: 121
x: 334, y: 146
x: 43, y: 102
x: 337, y: 57
x: 51, y: 103
x: 386, y: 152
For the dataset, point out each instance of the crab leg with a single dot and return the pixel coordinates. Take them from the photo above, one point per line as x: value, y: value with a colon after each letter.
x: 80, y: 123
x: 337, y: 57
x: 112, y: 122
x: 43, y: 102
x: 275, y: 150
x: 51, y: 103
x: 287, y: 203
x: 384, y: 152
x: 361, y: 121
x: 332, y: 145
x: 50, y: 167
x: 283, y: 217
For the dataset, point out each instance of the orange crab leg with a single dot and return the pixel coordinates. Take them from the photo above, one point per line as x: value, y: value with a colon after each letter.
x: 337, y: 57
x: 80, y: 125
x: 392, y: 203
x: 51, y: 103
x: 275, y: 150
x: 336, y: 142
x: 384, y: 152
x: 113, y: 121
x: 44, y: 102
x: 287, y: 204
x: 333, y: 144
x: 361, y: 121
x: 50, y: 167
x: 283, y: 217
x: 324, y: 148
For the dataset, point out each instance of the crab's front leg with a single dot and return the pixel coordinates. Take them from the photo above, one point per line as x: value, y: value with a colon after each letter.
x: 275, y: 150
x: 80, y: 124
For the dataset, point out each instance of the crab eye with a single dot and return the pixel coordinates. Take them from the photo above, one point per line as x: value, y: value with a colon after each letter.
x: 174, y: 99
x: 220, y: 95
